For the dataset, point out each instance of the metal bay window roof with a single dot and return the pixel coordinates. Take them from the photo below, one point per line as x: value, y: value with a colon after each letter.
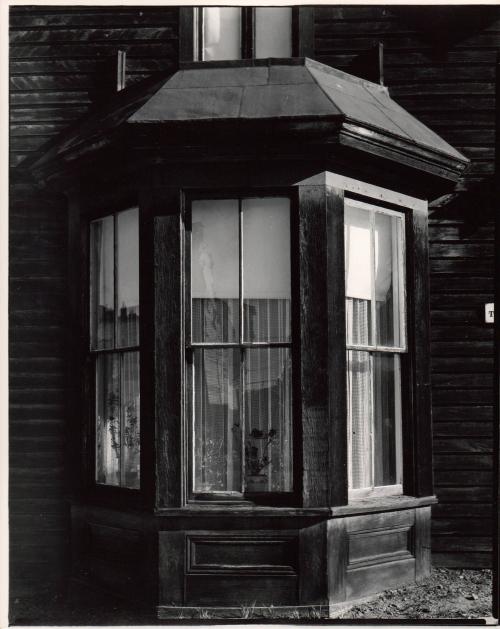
x: 363, y: 113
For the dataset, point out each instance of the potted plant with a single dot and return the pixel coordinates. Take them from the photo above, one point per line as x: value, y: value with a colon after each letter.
x: 257, y: 459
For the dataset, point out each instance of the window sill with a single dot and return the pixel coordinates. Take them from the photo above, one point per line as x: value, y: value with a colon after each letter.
x: 378, y: 504
x: 249, y: 510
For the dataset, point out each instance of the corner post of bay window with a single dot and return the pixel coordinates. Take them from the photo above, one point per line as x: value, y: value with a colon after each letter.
x: 337, y: 363
x: 419, y: 346
x: 324, y: 441
x: 167, y: 344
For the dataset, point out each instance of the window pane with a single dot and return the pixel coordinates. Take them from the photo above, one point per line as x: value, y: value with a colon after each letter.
x: 130, y: 405
x: 266, y: 269
x: 215, y: 271
x: 127, y: 280
x: 102, y: 294
x: 359, y: 402
x: 388, y: 237
x: 358, y: 276
x: 268, y: 420
x: 217, y: 432
x: 221, y: 33
x: 273, y: 32
x: 108, y: 433
x: 387, y: 418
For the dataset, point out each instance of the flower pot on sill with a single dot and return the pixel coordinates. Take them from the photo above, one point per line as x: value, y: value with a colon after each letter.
x: 256, y: 483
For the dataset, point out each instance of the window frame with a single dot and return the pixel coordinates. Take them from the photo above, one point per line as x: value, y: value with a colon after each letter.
x: 374, y: 348
x: 99, y: 209
x: 276, y: 499
x: 302, y: 34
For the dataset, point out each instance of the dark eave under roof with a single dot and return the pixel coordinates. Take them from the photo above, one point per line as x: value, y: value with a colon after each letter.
x: 266, y: 89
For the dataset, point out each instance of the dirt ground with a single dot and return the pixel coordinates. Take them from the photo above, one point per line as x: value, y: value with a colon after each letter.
x: 445, y: 594
x: 451, y: 594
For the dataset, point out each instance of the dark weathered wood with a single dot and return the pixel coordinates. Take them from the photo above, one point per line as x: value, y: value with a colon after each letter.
x: 314, y: 345
x: 186, y: 35
x: 495, y: 557
x: 422, y: 542
x: 337, y: 557
x: 167, y: 351
x: 313, y: 557
x: 337, y: 383
x: 420, y: 443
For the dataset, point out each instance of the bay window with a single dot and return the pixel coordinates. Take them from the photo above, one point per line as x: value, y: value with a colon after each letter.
x: 114, y: 347
x: 240, y: 342
x: 223, y: 33
x: 375, y: 340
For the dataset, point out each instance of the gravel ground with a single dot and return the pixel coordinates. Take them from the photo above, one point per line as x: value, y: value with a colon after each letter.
x: 445, y: 594
x: 452, y: 594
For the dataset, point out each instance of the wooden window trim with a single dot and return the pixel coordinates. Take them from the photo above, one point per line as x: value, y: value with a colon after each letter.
x: 235, y: 499
x: 322, y: 196
x: 302, y: 33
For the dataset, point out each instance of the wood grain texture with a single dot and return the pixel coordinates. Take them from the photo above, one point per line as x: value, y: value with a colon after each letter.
x: 168, y: 358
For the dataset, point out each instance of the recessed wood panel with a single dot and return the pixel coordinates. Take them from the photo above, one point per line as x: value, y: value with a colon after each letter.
x: 379, y: 546
x: 242, y: 553
x: 371, y: 579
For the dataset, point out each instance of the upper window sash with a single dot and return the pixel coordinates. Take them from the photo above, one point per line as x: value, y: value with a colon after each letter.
x: 298, y: 41
x: 375, y: 277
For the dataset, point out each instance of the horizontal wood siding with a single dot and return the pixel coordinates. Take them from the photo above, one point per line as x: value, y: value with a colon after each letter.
x: 451, y: 88
x: 60, y: 59
x: 38, y: 516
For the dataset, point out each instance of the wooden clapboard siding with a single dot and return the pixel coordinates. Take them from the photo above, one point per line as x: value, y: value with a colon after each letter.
x: 38, y: 515
x: 451, y: 88
x: 59, y: 58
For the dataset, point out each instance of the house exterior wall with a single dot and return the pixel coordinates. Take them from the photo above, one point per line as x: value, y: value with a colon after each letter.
x: 449, y: 86
x: 60, y: 59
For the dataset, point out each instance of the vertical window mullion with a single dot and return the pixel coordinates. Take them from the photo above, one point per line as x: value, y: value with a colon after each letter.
x: 372, y: 423
x: 242, y: 350
x: 373, y: 275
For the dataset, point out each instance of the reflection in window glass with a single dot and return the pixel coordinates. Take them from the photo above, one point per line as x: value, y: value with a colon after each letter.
x: 130, y: 407
x: 102, y: 294
x: 114, y: 323
x: 221, y: 33
x: 108, y: 420
x: 127, y: 278
x: 217, y: 425
x: 266, y: 269
x: 273, y: 32
x: 387, y: 280
x: 358, y: 276
x: 387, y: 418
x: 214, y: 271
x: 268, y: 420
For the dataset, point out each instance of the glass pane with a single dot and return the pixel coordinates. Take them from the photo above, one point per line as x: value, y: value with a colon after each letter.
x: 387, y: 418
x: 358, y: 276
x: 215, y: 271
x: 388, y: 235
x: 102, y: 294
x: 266, y: 270
x: 221, y: 33
x: 127, y: 280
x: 268, y: 420
x: 273, y: 32
x: 108, y: 433
x: 130, y: 405
x: 359, y: 403
x: 217, y: 432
